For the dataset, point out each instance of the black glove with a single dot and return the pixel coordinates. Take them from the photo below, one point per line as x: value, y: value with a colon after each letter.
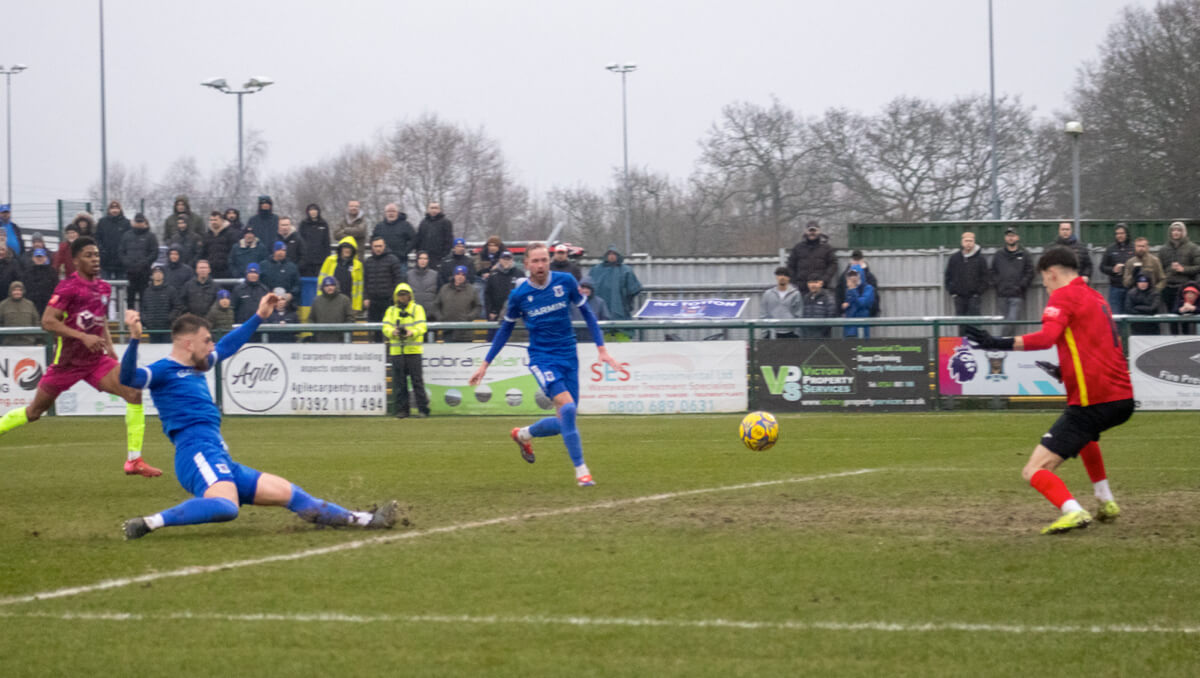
x: 1050, y: 369
x: 983, y: 339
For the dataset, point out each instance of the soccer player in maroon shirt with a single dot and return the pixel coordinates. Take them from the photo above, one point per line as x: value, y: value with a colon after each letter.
x: 78, y: 314
x: 1078, y: 321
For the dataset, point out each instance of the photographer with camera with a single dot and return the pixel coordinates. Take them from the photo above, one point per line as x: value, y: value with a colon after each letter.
x: 404, y: 328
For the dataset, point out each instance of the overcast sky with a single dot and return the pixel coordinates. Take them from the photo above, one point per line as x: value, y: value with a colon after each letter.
x: 530, y: 72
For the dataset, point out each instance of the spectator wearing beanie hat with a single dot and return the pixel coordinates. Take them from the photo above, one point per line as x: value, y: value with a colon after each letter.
x: 1143, y: 299
x: 220, y: 316
x: 281, y: 271
x: 333, y: 307
x: 248, y: 293
x: 457, y: 301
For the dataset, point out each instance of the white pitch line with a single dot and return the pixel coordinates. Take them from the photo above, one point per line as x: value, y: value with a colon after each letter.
x: 384, y: 539
x: 543, y: 620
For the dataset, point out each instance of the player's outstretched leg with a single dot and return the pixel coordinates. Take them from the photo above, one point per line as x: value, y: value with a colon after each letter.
x: 323, y: 512
x: 542, y: 428
x: 571, y: 439
x: 13, y: 419
x: 1093, y: 461
x: 191, y: 512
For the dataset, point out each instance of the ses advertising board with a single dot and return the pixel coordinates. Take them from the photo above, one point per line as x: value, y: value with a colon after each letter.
x: 654, y: 378
x: 833, y: 375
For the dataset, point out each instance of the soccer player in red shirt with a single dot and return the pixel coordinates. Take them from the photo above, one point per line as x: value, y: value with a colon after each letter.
x: 78, y: 314
x: 1078, y: 321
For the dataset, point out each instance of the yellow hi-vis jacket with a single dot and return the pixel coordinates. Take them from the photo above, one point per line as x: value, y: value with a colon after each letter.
x: 356, y: 273
x: 397, y: 319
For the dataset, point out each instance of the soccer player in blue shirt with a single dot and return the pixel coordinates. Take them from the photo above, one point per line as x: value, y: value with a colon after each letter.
x: 191, y: 420
x: 544, y: 301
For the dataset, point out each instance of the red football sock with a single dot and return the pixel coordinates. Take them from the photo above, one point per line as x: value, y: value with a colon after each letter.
x: 1093, y: 461
x: 1051, y: 487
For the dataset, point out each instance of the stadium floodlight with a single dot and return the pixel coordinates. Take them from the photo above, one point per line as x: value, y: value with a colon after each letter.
x: 1074, y: 128
x: 254, y: 84
x: 258, y: 82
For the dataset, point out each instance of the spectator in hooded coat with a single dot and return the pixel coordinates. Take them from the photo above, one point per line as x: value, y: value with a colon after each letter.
x: 616, y: 284
x: 1112, y: 264
x: 561, y: 261
x: 63, y: 262
x: 860, y: 295
x: 10, y: 268
x: 781, y: 302
x: 176, y: 272
x: 314, y: 242
x: 353, y: 224
x: 40, y: 279
x: 1068, y: 238
x: 184, y: 208
x: 347, y: 269
x: 109, y: 231
x: 265, y: 223
x: 190, y: 245
x: 139, y: 250
x: 160, y: 306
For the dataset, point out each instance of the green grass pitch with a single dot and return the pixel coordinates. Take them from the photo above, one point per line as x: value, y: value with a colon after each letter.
x: 692, y: 557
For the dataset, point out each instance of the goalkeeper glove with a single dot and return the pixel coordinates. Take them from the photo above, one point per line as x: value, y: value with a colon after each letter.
x: 983, y: 339
x: 1050, y: 369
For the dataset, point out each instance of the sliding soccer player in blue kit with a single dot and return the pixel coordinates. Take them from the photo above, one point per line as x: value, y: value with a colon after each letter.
x: 191, y: 420
x: 544, y: 301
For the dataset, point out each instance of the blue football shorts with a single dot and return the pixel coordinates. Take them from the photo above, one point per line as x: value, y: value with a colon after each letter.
x: 556, y: 376
x: 203, y: 459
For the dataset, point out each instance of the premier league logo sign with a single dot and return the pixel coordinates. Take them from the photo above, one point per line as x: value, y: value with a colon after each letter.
x: 962, y: 365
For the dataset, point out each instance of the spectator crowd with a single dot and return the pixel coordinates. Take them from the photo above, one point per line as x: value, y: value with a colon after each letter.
x: 357, y: 265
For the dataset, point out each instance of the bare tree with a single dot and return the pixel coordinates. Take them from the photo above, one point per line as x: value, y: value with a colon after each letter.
x: 1140, y: 106
x: 767, y: 160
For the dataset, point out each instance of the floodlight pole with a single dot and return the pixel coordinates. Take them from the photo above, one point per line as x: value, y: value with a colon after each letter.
x: 624, y: 70
x: 8, y: 74
x: 254, y: 85
x: 992, y: 79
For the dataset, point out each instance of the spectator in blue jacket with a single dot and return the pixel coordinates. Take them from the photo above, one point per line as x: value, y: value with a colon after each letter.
x: 860, y: 296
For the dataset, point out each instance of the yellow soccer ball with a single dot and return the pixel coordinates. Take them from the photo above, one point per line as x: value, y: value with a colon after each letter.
x: 759, y: 430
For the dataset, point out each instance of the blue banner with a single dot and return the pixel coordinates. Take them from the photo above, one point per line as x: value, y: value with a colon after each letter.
x: 692, y: 308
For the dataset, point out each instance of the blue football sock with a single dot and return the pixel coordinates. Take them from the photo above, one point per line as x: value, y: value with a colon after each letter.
x: 200, y: 510
x: 570, y: 434
x: 544, y: 428
x: 317, y: 510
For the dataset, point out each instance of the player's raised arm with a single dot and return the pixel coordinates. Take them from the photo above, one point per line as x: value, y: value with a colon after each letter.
x: 130, y: 375
x: 233, y: 341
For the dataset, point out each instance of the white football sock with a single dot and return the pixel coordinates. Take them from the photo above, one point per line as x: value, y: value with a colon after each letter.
x: 155, y: 521
x: 132, y: 454
x: 1071, y: 505
x: 360, y: 518
x: 1101, y: 489
x: 582, y: 470
x: 524, y: 434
